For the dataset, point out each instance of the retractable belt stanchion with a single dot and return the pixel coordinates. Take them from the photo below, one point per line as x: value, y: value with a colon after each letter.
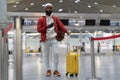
x: 93, y: 72
x: 1, y: 55
x: 5, y: 57
x: 3, y: 52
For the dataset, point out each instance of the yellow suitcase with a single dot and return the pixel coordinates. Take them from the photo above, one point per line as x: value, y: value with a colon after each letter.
x: 72, y: 65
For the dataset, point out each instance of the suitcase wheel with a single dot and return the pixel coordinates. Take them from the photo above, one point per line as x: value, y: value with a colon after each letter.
x: 71, y: 75
x: 76, y: 75
x: 66, y: 74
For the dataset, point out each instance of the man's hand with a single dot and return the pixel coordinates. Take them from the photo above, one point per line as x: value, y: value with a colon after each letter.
x: 68, y: 33
x: 50, y: 25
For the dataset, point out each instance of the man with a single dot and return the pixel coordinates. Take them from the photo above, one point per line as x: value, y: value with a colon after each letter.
x: 98, y: 47
x: 47, y: 26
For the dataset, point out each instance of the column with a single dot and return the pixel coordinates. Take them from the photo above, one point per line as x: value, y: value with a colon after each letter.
x: 3, y: 52
x: 19, y: 58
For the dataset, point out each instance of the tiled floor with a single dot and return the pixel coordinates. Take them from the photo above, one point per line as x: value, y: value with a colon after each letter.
x: 107, y: 68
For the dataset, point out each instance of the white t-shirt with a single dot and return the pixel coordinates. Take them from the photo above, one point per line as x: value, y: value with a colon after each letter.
x: 50, y: 31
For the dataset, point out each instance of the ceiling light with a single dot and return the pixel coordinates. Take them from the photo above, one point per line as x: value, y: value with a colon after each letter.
x: 31, y: 4
x: 96, y: 3
x: 14, y: 6
x: 60, y: 10
x: 43, y: 5
x: 101, y: 10
x: 60, y: 1
x: 114, y: 6
x: 26, y: 9
x: 75, y: 11
x: 77, y: 1
x: 17, y: 2
x: 89, y: 6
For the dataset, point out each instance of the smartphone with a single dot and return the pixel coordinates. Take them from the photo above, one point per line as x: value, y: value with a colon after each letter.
x: 51, y: 24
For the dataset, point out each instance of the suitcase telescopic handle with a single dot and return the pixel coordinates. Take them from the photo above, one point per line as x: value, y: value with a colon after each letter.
x: 68, y: 43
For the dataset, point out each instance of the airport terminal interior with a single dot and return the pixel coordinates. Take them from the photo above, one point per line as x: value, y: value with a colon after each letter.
x: 94, y: 27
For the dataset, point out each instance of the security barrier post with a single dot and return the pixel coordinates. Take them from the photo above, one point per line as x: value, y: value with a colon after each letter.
x: 1, y: 55
x: 93, y: 72
x: 5, y: 57
x: 3, y: 52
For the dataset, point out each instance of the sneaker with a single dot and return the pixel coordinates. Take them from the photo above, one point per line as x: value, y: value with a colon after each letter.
x: 56, y: 73
x: 48, y: 73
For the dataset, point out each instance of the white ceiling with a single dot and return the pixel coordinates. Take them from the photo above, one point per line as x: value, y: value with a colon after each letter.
x: 68, y: 6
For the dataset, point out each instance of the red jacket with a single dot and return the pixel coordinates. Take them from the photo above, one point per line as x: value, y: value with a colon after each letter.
x: 41, y: 26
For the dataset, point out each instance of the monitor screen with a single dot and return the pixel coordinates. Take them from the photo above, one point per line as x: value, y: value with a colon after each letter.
x: 104, y: 22
x: 22, y: 21
x: 90, y: 22
x: 65, y: 21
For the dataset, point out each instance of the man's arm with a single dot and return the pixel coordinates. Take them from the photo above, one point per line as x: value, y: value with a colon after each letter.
x: 64, y: 29
x: 40, y: 26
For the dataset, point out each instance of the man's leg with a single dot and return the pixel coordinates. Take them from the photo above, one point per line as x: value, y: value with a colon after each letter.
x: 46, y: 50
x: 55, y: 56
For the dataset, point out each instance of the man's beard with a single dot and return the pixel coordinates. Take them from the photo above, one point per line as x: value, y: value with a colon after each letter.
x: 48, y: 13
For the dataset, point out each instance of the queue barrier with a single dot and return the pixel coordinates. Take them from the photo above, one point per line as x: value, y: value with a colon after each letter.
x: 93, y: 72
